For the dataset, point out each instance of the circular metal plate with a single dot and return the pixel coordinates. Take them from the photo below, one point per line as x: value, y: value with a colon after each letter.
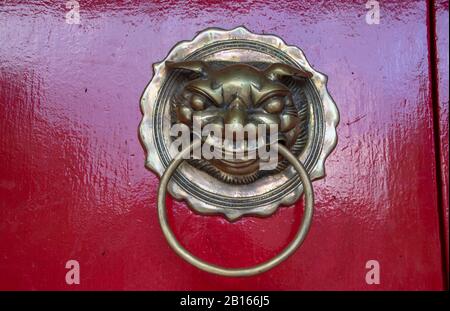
x: 205, y: 192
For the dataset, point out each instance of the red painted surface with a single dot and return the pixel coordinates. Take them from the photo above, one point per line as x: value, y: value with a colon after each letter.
x: 72, y: 178
x: 442, y: 43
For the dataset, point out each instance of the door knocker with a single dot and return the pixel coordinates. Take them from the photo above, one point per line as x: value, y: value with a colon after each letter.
x: 237, y: 124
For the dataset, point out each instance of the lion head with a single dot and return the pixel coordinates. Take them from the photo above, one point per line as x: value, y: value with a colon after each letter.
x: 238, y: 94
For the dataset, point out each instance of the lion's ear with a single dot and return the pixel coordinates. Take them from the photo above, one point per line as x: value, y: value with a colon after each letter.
x: 199, y: 67
x: 277, y: 71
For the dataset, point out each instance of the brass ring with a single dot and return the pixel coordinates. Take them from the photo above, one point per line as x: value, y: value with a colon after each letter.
x: 236, y: 272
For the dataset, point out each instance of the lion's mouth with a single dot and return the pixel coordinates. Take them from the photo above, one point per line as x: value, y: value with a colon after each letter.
x: 238, y: 163
x: 237, y: 167
x: 240, y: 158
x: 232, y: 164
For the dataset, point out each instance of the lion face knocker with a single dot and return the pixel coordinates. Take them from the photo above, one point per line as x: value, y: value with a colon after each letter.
x: 240, y: 97
x: 237, y: 96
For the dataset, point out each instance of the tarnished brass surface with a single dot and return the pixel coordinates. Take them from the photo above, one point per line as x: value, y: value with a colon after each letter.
x: 237, y: 77
x: 243, y: 95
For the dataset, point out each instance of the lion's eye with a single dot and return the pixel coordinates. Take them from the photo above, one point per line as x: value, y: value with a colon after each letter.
x: 198, y: 102
x: 274, y: 105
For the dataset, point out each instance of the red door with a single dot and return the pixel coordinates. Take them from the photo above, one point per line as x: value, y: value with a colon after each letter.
x: 73, y: 184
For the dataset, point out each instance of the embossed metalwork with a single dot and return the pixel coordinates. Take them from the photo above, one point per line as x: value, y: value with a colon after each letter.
x: 187, y: 83
x: 243, y: 95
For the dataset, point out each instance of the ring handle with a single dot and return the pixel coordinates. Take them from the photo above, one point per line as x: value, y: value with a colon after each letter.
x: 236, y: 272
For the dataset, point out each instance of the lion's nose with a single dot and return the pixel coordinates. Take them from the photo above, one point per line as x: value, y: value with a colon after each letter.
x: 237, y: 113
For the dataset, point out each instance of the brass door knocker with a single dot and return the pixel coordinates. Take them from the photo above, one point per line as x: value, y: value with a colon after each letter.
x: 237, y: 123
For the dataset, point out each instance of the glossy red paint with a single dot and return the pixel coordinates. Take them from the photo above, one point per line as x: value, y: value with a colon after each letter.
x: 72, y: 178
x: 442, y: 44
